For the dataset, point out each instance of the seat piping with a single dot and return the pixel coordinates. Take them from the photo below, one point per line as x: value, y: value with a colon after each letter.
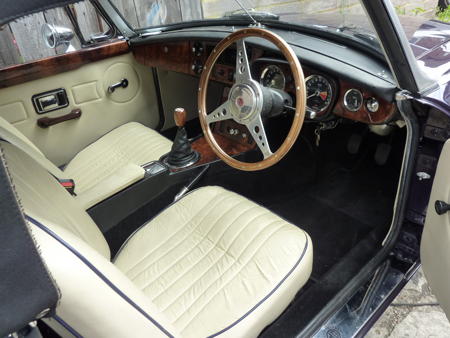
x: 266, y: 297
x: 66, y: 326
x: 255, y: 306
x: 98, y: 273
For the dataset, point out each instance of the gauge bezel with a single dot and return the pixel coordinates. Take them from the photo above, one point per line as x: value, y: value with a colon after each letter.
x: 266, y: 69
x: 346, y: 103
x: 331, y: 92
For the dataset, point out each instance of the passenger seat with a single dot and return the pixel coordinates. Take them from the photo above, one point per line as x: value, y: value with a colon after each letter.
x: 106, y: 166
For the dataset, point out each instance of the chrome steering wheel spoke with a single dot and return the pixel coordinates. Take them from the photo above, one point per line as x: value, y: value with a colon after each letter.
x: 243, y: 72
x: 221, y: 113
x: 256, y: 128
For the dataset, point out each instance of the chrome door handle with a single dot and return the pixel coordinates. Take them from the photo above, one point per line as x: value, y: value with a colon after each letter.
x: 123, y: 83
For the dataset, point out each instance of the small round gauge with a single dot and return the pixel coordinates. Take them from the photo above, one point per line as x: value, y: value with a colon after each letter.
x: 372, y: 105
x: 272, y: 76
x: 353, y: 99
x: 318, y: 93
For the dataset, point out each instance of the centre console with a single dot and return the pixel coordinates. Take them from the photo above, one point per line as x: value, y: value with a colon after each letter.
x: 165, y: 181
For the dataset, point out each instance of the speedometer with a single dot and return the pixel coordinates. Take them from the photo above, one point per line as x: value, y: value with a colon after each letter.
x: 273, y: 77
x: 318, y: 93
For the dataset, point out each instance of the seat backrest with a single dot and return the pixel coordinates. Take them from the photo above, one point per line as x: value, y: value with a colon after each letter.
x: 14, y: 136
x: 97, y: 299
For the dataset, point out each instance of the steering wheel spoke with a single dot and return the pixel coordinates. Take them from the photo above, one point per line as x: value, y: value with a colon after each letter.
x: 221, y: 113
x: 256, y: 128
x: 247, y: 102
x: 243, y: 72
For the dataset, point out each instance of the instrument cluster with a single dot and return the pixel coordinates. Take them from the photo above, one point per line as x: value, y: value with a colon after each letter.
x: 325, y: 95
x: 320, y: 89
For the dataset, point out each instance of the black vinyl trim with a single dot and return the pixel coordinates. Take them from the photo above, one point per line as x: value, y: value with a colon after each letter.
x: 10, y: 12
x: 98, y: 273
x: 66, y: 326
x: 267, y: 296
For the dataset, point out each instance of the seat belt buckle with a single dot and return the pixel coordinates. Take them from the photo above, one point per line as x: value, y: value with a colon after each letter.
x: 69, y: 185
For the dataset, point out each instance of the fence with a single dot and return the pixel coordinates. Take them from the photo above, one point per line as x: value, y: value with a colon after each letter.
x: 21, y: 40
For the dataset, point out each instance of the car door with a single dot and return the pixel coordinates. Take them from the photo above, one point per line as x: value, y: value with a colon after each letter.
x: 435, y: 245
x: 60, y: 84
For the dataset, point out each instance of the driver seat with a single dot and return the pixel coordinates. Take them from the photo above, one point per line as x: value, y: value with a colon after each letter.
x: 213, y: 263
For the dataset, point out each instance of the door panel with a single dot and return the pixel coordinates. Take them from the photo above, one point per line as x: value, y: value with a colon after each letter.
x: 435, y: 245
x: 87, y: 89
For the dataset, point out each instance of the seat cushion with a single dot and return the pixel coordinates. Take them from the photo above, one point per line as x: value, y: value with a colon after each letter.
x: 131, y: 143
x: 215, y: 262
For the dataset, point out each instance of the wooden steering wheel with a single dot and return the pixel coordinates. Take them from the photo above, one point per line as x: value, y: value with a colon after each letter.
x: 249, y: 102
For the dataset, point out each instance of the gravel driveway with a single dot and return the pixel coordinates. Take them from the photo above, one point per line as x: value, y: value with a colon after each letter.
x: 414, y: 313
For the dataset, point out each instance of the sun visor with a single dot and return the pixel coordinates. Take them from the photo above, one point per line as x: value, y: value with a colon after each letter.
x: 12, y: 10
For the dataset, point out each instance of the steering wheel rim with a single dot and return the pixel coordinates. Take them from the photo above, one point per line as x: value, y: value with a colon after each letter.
x: 232, y: 110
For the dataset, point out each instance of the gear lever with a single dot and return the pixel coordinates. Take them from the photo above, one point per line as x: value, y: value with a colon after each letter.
x: 181, y: 155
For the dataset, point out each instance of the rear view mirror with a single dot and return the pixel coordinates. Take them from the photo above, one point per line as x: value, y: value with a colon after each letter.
x: 55, y: 36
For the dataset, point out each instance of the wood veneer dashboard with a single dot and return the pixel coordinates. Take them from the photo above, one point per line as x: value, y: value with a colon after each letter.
x: 21, y: 73
x: 189, y: 57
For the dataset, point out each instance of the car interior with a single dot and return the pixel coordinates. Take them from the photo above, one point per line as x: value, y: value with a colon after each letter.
x: 109, y: 158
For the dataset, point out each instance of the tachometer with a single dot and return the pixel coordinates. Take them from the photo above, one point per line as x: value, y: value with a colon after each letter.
x: 318, y: 93
x: 273, y: 77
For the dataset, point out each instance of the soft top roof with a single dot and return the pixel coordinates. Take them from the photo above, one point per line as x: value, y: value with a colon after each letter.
x: 12, y: 10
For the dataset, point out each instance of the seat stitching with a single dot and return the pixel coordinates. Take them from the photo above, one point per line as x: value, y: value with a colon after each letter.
x: 86, y: 167
x: 125, y: 148
x: 235, y: 275
x: 203, y: 237
x: 294, y: 267
x: 206, y: 254
x: 176, y: 245
x: 169, y: 238
x: 120, y: 149
x: 245, y: 248
x: 98, y: 273
x: 193, y: 248
x: 223, y: 254
x: 181, y: 228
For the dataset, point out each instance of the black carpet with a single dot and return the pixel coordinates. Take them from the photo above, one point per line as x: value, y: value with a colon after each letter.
x: 332, y: 231
x: 336, y: 197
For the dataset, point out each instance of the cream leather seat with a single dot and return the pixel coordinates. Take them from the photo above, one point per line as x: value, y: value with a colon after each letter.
x: 211, y: 264
x: 105, y: 167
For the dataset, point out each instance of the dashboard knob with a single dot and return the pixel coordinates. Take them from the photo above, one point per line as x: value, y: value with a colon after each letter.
x: 311, y: 114
x: 197, y: 67
x: 197, y: 49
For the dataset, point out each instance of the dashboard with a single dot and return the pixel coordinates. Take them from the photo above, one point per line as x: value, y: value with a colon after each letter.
x: 326, y: 96
x: 329, y: 95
